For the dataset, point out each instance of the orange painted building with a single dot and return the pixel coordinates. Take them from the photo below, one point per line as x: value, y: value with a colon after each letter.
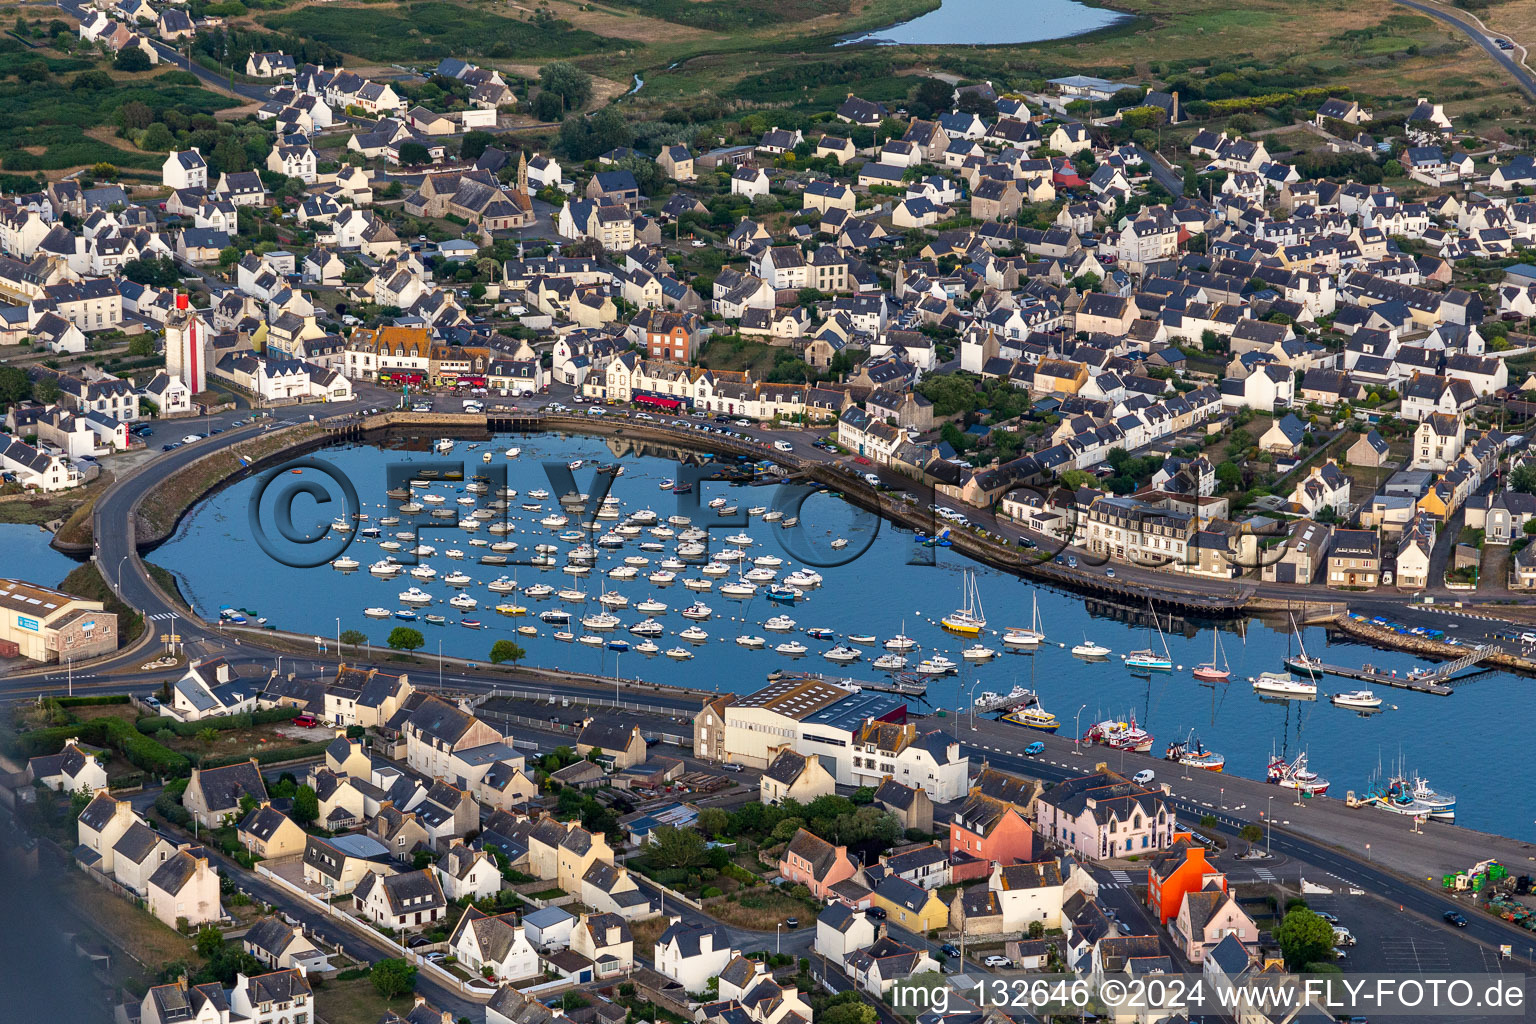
x: 991, y: 830
x: 1175, y: 872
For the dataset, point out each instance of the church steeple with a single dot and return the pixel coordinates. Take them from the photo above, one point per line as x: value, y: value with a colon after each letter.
x: 522, y: 172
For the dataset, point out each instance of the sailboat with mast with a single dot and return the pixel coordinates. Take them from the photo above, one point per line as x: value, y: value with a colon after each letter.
x: 1147, y: 659
x: 1303, y: 665
x: 1216, y: 670
x: 1018, y: 636
x: 968, y: 619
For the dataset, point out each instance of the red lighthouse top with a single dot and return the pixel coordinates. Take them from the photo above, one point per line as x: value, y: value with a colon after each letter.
x: 181, y: 300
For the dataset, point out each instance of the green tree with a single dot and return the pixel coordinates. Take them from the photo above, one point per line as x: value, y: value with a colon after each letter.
x: 131, y: 58
x: 14, y: 385
x: 210, y: 942
x: 1304, y: 938
x: 228, y: 256
x: 157, y: 138
x: 1230, y: 475
x: 1252, y: 833
x: 506, y: 650
x: 393, y: 977
x: 714, y: 822
x: 785, y: 830
x: 354, y: 637
x: 142, y: 345
x: 404, y: 638
x: 475, y: 143
x: 676, y: 847
x: 414, y: 154
x: 46, y: 390
x: 306, y: 805
x: 851, y: 1011
x: 1523, y: 479
x: 566, y: 80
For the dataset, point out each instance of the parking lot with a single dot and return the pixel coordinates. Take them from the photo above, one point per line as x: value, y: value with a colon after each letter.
x: 1394, y: 942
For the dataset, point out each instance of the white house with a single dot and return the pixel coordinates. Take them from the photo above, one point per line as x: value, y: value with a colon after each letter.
x: 498, y: 943
x: 184, y: 169
x: 691, y: 953
x: 465, y: 872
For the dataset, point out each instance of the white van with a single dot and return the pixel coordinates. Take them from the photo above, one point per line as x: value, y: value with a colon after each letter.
x: 784, y: 446
x: 1143, y: 777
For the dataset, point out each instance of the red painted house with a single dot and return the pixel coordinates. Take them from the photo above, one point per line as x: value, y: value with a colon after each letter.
x: 1177, y: 871
x: 987, y: 831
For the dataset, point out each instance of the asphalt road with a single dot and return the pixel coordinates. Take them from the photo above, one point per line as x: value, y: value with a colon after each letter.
x: 1504, y: 58
x: 175, y: 58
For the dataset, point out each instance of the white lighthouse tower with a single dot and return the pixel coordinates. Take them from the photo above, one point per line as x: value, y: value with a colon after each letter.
x: 186, y: 346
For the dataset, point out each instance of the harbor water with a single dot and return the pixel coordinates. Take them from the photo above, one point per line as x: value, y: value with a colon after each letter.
x: 882, y: 582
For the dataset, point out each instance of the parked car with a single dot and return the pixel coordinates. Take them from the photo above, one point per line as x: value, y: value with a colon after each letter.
x: 1034, y: 749
x: 950, y: 949
x: 878, y: 913
x: 191, y: 437
x: 997, y: 961
x: 791, y: 922
x: 306, y: 720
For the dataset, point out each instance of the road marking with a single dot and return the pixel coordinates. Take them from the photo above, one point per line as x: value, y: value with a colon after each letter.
x: 1265, y: 875
x: 162, y: 616
x: 1120, y: 876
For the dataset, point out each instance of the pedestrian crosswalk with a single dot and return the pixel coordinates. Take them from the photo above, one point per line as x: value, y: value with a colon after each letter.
x: 1264, y: 874
x: 1122, y: 877
x: 162, y: 616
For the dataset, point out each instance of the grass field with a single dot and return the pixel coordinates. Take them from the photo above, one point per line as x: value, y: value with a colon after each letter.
x: 354, y: 1002
x: 429, y: 31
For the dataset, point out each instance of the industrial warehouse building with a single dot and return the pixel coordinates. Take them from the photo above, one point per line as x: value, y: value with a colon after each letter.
x: 49, y: 625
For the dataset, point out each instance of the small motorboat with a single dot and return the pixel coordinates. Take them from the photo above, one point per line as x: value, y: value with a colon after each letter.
x: 513, y: 452
x: 739, y: 588
x: 463, y: 602
x: 572, y: 595
x: 415, y: 595
x: 890, y: 662
x: 839, y: 543
x: 376, y: 613
x: 555, y: 617
x: 613, y: 599
x: 1360, y: 700
x: 793, y: 648
x: 693, y: 584
x: 779, y: 624
x: 527, y: 631
x: 693, y: 634
x: 741, y: 539
x: 647, y: 627
x: 406, y: 614
x: 345, y: 563
x: 820, y: 633
x: 424, y: 572
x: 842, y: 654
x: 500, y: 585
x: 590, y: 640
x: 862, y: 639
x: 679, y: 653
x: 715, y: 569
x: 662, y: 576
x: 646, y: 647
x: 936, y: 665
x: 511, y: 608
x: 619, y: 644
x: 564, y: 635
x: 1089, y: 649
x: 458, y: 579
x: 600, y: 621
x: 752, y: 642
x: 651, y: 606
x: 539, y: 590
x: 667, y: 484
x: 978, y: 652
x: 698, y: 611
x: 454, y: 553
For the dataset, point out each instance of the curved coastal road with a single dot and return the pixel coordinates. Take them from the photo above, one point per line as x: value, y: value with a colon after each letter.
x: 1479, y: 35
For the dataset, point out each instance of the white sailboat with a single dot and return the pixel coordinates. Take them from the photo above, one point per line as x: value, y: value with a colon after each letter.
x: 1017, y: 636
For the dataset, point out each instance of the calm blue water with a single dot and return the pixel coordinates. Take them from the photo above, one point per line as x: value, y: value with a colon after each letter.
x: 977, y: 23
x: 27, y: 556
x: 880, y: 592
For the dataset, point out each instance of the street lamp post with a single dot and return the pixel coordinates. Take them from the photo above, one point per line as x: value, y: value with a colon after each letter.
x: 1269, y: 824
x: 120, y: 562
x: 439, y: 663
x: 338, y: 638
x: 1077, y: 731
x: 776, y: 934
